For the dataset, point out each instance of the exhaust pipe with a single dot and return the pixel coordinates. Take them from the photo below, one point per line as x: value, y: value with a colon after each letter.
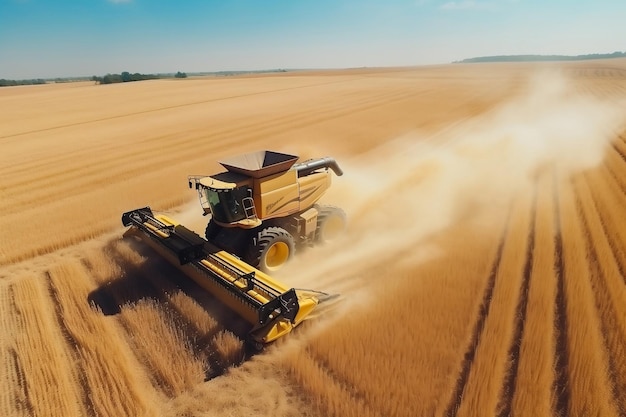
x: 307, y: 167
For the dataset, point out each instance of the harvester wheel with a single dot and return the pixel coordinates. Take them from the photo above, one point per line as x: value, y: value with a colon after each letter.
x: 271, y: 248
x: 212, y: 229
x: 331, y: 223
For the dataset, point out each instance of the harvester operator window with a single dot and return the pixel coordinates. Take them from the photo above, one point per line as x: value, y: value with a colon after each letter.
x: 226, y: 205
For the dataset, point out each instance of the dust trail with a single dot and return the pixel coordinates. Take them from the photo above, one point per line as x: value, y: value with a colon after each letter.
x: 190, y: 214
x: 398, y: 194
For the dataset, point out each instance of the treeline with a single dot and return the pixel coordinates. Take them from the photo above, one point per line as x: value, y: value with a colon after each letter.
x: 107, y: 79
x: 8, y: 83
x: 530, y: 58
x: 128, y: 77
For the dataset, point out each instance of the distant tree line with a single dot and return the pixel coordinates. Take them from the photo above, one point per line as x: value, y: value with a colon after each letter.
x: 107, y: 79
x: 123, y: 78
x: 126, y: 77
x: 8, y: 83
x: 528, y: 58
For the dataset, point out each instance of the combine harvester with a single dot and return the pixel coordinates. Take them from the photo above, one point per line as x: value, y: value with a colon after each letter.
x: 265, y: 206
x: 269, y: 306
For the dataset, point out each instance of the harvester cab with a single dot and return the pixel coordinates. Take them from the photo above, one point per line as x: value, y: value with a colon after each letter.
x: 264, y: 206
x: 228, y: 198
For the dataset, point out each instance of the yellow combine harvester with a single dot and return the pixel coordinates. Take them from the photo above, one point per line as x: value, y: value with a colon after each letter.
x: 265, y: 206
x: 269, y: 306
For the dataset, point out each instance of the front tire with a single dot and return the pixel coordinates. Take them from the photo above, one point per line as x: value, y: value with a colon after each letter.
x: 212, y: 230
x: 271, y: 249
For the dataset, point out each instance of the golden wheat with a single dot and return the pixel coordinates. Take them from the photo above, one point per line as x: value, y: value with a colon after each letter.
x: 607, y: 279
x: 14, y: 398
x: 163, y: 347
x: 42, y: 353
x: 112, y: 376
x: 589, y: 390
x: 486, y: 315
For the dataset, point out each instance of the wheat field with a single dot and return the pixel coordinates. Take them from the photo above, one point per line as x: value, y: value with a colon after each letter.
x: 483, y: 272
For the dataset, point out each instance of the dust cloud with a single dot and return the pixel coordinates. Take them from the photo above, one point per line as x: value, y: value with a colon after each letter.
x: 405, y: 190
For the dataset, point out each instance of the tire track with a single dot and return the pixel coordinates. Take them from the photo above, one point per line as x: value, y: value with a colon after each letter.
x: 39, y: 341
x: 610, y: 223
x: 606, y: 330
x: 588, y: 366
x: 343, y: 383
x: 613, y: 162
x: 73, y: 347
x: 619, y: 146
x: 22, y: 397
x: 560, y: 389
x: 21, y: 401
x: 490, y: 362
x: 532, y: 394
x: 322, y: 382
x: 470, y: 353
x: 510, y: 380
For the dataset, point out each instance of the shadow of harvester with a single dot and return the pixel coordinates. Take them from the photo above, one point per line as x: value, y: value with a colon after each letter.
x: 207, y: 326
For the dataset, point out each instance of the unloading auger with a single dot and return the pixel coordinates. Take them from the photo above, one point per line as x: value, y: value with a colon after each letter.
x: 272, y: 308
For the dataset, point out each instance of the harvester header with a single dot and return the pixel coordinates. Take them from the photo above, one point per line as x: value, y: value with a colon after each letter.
x: 271, y: 308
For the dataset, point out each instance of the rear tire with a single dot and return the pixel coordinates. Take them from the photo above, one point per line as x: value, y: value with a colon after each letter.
x: 331, y: 223
x: 271, y: 249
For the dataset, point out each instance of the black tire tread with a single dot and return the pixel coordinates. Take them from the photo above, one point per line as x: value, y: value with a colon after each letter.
x: 212, y: 230
x: 264, y: 238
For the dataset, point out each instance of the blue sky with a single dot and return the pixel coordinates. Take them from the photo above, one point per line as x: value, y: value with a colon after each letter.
x: 57, y: 38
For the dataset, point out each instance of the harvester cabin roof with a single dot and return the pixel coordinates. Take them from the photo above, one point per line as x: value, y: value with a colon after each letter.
x: 225, y: 181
